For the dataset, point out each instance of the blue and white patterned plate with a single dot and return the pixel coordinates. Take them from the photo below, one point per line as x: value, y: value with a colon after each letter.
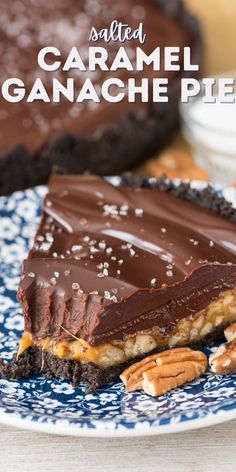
x: 57, y: 407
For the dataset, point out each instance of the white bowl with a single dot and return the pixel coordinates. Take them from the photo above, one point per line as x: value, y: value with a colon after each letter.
x: 210, y: 129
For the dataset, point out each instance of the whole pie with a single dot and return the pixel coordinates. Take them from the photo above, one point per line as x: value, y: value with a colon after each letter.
x: 104, y: 137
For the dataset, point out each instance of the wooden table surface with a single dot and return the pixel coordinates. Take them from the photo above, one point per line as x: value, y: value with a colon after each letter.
x: 206, y: 450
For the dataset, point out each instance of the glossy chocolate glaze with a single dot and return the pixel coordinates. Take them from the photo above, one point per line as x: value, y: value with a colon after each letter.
x: 150, y: 257
x: 29, y: 25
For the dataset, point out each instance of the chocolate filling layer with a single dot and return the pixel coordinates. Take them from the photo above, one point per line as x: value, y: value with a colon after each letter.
x: 109, y: 262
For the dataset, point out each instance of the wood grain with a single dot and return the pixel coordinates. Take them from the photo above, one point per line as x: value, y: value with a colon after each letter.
x: 206, y: 450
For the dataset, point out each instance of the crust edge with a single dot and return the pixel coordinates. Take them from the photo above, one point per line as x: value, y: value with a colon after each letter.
x: 34, y: 361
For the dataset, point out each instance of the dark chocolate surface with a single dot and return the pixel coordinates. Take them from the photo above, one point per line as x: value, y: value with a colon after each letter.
x: 112, y: 261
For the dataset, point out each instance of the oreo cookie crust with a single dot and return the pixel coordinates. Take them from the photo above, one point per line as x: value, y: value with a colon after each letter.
x: 99, y: 144
x: 35, y: 361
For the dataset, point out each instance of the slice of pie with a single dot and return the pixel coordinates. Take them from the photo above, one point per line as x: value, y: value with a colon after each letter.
x: 118, y: 271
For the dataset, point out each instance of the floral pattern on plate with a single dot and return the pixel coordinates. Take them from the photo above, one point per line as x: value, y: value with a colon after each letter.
x: 55, y: 405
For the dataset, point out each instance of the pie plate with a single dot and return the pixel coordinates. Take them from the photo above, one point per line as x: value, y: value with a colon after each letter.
x: 55, y: 406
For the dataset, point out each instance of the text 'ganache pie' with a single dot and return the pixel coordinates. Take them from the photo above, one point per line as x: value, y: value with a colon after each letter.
x: 119, y: 271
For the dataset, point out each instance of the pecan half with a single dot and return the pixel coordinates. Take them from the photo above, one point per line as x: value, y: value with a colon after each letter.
x: 159, y: 373
x: 223, y: 361
x: 230, y: 332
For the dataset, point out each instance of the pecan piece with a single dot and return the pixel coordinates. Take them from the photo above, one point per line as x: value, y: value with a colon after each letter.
x: 230, y: 332
x: 159, y: 373
x: 223, y: 361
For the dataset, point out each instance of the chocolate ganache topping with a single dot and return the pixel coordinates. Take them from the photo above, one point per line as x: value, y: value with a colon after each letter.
x: 29, y: 25
x: 110, y: 261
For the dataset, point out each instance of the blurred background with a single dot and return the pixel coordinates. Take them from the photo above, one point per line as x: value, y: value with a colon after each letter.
x: 218, y: 23
x: 109, y: 138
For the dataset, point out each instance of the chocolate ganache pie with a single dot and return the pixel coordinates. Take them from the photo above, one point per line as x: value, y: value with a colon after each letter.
x: 105, y: 138
x: 121, y: 270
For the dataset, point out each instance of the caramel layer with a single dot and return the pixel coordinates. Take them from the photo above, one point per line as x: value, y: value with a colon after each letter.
x: 190, y: 329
